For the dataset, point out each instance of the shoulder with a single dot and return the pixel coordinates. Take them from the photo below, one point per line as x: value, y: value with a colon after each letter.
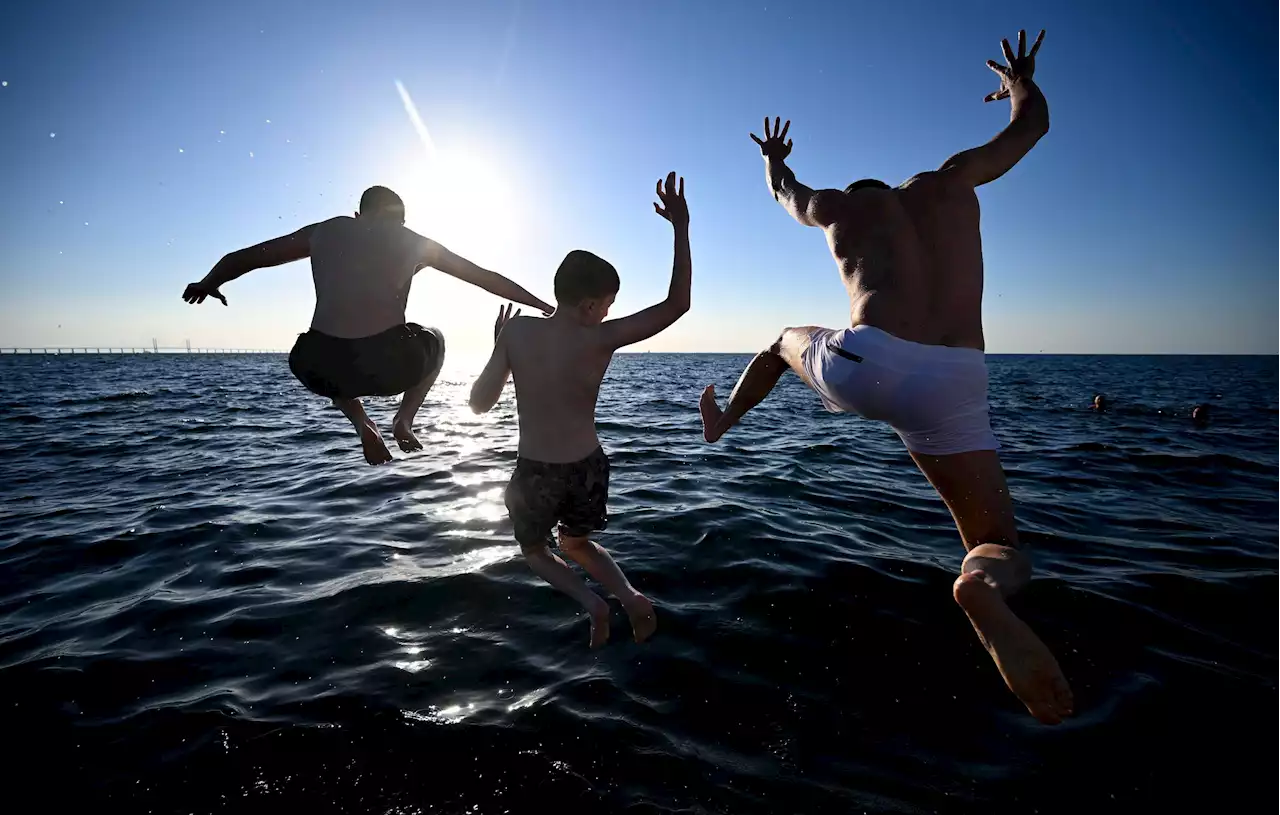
x: 927, y: 179
x: 936, y: 185
x: 524, y: 325
x: 827, y: 206
x: 419, y: 245
x: 518, y: 328
x: 329, y: 225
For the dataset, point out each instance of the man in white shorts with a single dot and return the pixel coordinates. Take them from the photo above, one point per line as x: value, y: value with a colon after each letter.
x: 911, y: 259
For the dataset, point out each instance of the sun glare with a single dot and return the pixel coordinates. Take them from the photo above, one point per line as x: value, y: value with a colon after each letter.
x: 461, y: 200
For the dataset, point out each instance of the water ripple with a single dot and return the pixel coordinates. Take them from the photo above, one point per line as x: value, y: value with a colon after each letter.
x: 208, y: 603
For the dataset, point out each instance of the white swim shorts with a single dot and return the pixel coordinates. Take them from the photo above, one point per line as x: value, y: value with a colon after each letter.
x: 933, y: 396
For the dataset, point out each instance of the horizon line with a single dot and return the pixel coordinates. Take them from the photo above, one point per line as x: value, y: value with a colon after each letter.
x: 127, y: 350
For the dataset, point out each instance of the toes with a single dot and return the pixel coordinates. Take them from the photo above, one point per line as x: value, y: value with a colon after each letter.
x: 1045, y: 715
x: 1063, y: 699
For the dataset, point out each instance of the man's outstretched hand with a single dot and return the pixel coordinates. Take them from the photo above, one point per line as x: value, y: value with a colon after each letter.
x: 674, y: 208
x: 197, y: 292
x: 774, y: 146
x: 1020, y: 67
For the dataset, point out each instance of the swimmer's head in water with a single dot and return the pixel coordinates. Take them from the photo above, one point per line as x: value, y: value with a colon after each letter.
x: 380, y: 202
x: 1200, y: 413
x: 866, y: 184
x: 1099, y: 402
x: 586, y: 284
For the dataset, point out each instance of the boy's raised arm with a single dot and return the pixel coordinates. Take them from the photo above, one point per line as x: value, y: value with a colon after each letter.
x: 644, y: 324
x: 488, y: 387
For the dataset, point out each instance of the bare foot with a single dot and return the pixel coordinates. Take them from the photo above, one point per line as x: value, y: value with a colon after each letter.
x: 403, y: 434
x: 599, y: 612
x: 1024, y: 661
x: 643, y: 619
x: 711, y: 414
x: 375, y: 449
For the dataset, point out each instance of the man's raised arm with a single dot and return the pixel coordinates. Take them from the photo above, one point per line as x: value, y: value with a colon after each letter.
x: 457, y: 266
x: 1028, y: 120
x: 809, y: 207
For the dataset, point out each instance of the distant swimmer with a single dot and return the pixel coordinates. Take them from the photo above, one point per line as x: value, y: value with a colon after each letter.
x: 1099, y: 402
x: 1200, y: 414
x: 914, y: 356
x: 561, y: 478
x: 359, y: 343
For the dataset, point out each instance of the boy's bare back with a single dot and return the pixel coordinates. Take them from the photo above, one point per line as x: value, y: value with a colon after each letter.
x: 559, y: 362
x: 557, y: 367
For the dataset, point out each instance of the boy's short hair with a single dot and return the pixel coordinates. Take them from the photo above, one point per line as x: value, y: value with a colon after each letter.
x: 583, y: 276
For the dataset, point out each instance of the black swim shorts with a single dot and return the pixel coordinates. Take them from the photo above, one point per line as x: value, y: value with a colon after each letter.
x: 575, y: 495
x: 384, y: 364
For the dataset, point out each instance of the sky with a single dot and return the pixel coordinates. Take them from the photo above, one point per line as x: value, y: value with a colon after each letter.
x: 141, y: 141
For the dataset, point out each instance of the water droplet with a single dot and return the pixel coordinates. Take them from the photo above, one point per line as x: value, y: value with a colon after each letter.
x: 222, y: 132
x: 250, y: 154
x: 268, y: 121
x: 51, y: 135
x: 180, y: 150
x: 287, y: 141
x: 4, y: 84
x: 86, y: 223
x: 59, y: 202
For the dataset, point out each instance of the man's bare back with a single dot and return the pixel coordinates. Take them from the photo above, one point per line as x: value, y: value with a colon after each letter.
x: 911, y: 260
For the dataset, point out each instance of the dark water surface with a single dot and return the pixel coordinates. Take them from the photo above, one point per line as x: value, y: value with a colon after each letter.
x: 208, y: 603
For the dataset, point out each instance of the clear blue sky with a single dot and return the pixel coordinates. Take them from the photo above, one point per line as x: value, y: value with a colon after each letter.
x: 1144, y: 222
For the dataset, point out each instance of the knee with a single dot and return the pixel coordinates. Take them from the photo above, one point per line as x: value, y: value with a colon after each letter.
x: 785, y: 339
x: 573, y: 543
x: 531, y: 550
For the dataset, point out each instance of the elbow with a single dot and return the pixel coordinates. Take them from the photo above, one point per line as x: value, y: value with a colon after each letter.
x: 678, y: 306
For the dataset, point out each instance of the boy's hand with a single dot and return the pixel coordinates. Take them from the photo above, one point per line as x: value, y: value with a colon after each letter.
x: 673, y: 208
x: 503, y: 317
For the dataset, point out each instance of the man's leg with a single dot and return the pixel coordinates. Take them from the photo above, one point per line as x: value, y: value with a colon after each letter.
x: 756, y: 381
x: 973, y: 487
x: 402, y: 427
x: 375, y: 449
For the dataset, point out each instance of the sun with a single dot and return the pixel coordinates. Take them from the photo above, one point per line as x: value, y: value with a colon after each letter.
x: 461, y: 199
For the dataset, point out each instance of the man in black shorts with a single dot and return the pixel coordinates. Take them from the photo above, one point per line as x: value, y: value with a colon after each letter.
x: 359, y: 343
